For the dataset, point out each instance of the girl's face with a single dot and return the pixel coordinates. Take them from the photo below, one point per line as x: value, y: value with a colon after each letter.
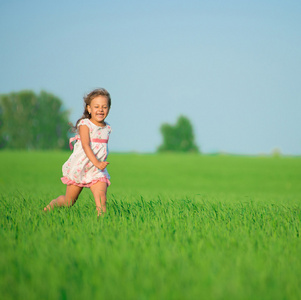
x: 99, y: 109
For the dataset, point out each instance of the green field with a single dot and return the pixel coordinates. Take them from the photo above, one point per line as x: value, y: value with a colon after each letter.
x: 178, y: 227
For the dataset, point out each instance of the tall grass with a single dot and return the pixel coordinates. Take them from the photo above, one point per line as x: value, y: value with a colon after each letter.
x: 177, y: 227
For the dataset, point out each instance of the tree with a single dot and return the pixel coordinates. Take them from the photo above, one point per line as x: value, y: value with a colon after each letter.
x: 2, y: 140
x: 31, y: 121
x: 179, y: 137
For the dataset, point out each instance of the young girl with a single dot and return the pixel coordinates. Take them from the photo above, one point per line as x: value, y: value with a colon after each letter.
x: 86, y: 167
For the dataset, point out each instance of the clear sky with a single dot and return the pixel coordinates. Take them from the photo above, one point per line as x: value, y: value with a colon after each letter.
x: 232, y: 67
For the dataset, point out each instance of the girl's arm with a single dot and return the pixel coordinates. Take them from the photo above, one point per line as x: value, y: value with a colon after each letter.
x: 85, y: 139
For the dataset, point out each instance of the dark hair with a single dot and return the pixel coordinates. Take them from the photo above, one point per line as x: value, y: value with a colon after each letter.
x: 88, y: 98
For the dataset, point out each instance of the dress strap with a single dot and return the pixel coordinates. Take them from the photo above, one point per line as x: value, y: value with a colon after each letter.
x: 77, y: 138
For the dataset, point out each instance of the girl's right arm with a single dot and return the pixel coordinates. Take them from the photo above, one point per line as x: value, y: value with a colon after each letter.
x: 85, y: 139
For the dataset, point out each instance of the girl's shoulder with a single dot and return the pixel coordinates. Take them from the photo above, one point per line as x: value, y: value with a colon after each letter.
x: 84, y: 122
x: 92, y: 126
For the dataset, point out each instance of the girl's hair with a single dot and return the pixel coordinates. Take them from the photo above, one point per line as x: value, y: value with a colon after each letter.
x: 88, y: 98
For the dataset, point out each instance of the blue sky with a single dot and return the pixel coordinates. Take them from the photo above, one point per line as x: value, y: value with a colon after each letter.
x: 232, y: 67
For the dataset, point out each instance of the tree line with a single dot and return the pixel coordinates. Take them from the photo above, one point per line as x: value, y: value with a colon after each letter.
x: 39, y: 121
x: 33, y: 121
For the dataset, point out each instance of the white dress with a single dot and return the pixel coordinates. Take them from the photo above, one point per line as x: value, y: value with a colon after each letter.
x: 78, y: 169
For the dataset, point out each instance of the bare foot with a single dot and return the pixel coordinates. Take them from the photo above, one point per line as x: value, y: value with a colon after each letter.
x: 50, y: 206
x: 99, y: 211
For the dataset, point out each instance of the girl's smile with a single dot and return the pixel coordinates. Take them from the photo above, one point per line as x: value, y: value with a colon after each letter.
x: 99, y: 110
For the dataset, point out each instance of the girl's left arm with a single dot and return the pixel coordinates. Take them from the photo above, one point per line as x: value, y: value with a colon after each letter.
x: 85, y: 140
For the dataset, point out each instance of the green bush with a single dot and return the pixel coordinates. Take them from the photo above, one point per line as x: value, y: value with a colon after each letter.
x: 178, y: 138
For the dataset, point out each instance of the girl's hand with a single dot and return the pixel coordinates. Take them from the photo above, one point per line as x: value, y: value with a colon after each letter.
x: 101, y: 165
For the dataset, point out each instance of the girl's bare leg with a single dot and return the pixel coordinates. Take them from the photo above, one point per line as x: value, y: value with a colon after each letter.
x: 99, y: 191
x: 72, y: 193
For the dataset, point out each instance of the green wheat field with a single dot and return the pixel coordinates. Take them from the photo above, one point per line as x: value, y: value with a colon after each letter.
x: 178, y: 227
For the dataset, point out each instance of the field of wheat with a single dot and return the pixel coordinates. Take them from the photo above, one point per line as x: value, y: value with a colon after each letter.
x: 178, y: 226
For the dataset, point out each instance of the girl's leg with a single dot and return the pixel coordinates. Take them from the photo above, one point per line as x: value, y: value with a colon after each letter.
x: 99, y: 191
x: 72, y: 193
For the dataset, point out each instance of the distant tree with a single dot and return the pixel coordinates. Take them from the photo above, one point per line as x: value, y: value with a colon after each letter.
x: 30, y: 121
x: 178, y: 138
x: 2, y: 140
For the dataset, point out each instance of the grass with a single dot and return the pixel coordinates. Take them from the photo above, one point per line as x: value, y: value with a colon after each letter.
x: 178, y: 227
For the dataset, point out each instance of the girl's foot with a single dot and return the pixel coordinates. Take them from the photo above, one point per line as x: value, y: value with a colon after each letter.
x: 50, y: 206
x: 99, y: 211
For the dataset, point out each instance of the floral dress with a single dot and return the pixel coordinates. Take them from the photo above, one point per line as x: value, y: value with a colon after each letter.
x: 78, y: 169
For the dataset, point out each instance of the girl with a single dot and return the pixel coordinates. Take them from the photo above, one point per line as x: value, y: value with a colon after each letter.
x: 86, y: 167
